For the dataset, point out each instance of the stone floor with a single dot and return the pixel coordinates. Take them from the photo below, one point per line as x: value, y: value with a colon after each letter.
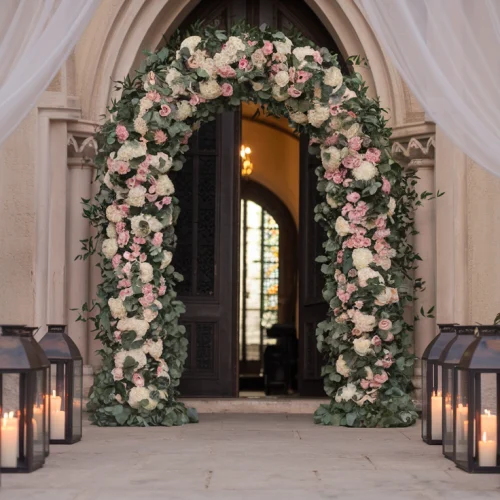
x: 246, y: 456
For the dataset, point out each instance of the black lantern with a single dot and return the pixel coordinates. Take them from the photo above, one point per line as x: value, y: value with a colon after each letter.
x: 23, y: 396
x: 449, y: 360
x: 66, y: 371
x: 476, y: 392
x: 432, y: 397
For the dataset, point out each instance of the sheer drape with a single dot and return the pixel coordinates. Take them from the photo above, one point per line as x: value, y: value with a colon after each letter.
x: 36, y: 37
x: 447, y: 51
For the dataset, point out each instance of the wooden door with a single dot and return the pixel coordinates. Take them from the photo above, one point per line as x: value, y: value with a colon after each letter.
x: 207, y: 255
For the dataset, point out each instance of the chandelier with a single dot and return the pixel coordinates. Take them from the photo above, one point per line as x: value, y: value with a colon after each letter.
x: 246, y: 163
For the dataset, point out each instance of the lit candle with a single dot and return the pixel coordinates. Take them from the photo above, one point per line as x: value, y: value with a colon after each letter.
x: 10, y: 434
x: 57, y: 421
x: 449, y: 417
x: 489, y: 424
x: 55, y: 402
x: 487, y: 452
x: 437, y: 416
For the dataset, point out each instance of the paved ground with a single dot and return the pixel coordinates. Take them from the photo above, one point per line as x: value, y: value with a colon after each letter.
x: 249, y: 457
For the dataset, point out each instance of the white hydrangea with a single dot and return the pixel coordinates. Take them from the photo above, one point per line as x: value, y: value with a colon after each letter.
x: 130, y: 150
x: 155, y: 162
x: 208, y: 64
x: 136, y: 354
x: 139, y: 326
x: 278, y: 95
x: 164, y: 186
x: 145, y: 272
x: 229, y: 54
x: 117, y: 308
x: 140, y: 126
x: 145, y: 104
x: 109, y: 248
x: 346, y: 393
x: 114, y: 214
x: 331, y: 158
x: 342, y: 227
x: 210, y: 89
x: 284, y: 47
x: 154, y: 349
x: 368, y: 273
x: 391, y: 206
x: 282, y: 78
x: 167, y: 259
x: 149, y: 314
x: 172, y: 76
x: 365, y: 172
x: 361, y: 257
x: 301, y: 52
x: 298, y: 117
x: 142, y: 225
x: 191, y: 42
x: 364, y: 322
x: 342, y: 367
x: 184, y: 111
x: 139, y: 394
x: 362, y: 346
x: 333, y: 78
x: 137, y: 196
x: 111, y: 230
x: 318, y: 115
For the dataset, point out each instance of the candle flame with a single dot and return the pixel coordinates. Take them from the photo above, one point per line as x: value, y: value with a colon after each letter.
x: 487, y: 412
x: 484, y: 437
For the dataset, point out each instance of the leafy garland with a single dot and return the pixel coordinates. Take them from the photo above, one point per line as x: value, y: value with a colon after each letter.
x: 366, y: 213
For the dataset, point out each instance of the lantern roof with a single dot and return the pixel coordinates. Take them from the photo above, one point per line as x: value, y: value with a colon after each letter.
x: 447, y: 332
x: 454, y: 351
x: 484, y: 352
x: 58, y: 345
x: 17, y: 353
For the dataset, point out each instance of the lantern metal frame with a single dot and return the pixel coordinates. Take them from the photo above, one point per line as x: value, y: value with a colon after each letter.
x: 481, y: 357
x: 431, y: 380
x: 449, y: 360
x: 66, y: 366
x: 19, y: 356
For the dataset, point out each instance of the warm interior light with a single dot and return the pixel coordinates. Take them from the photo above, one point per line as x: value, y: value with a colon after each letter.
x: 484, y: 437
x: 246, y: 165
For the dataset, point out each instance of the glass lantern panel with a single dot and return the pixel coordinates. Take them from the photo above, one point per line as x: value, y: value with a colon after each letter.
x: 462, y: 418
x: 37, y: 421
x: 424, y: 398
x: 488, y: 426
x: 448, y: 411
x: 77, y: 398
x: 58, y: 384
x: 10, y: 420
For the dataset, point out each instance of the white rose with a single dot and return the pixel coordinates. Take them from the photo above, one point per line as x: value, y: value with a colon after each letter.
x: 278, y: 95
x: 318, y: 115
x: 331, y: 158
x: 145, y: 104
x: 342, y: 227
x: 149, y: 314
x: 258, y: 58
x: 146, y: 272
x: 391, y: 206
x: 284, y: 47
x: 362, y: 346
x: 109, y: 248
x: 111, y: 230
x: 137, y: 196
x: 162, y: 162
x: 346, y: 393
x: 117, y: 374
x: 333, y: 78
x: 117, y: 308
x: 167, y: 259
x: 191, y: 42
x: 139, y: 394
x: 210, y: 89
x: 298, y: 117
x: 364, y: 322
x: 388, y: 296
x: 184, y: 111
x: 164, y: 186
x: 139, y: 326
x: 368, y: 273
x: 282, y: 78
x: 361, y: 257
x: 257, y: 86
x: 142, y: 225
x: 301, y: 52
x: 365, y: 172
x: 154, y: 349
x: 114, y: 214
x: 352, y: 131
x: 341, y: 367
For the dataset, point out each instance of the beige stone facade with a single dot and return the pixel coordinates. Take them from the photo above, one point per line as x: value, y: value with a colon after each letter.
x: 44, y: 173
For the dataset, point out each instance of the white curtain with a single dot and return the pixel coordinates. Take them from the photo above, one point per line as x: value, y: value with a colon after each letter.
x: 447, y: 51
x: 36, y: 37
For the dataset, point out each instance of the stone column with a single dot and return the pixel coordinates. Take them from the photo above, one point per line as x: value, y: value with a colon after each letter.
x: 418, y: 154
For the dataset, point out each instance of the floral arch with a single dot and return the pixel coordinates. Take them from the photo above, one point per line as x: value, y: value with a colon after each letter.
x: 367, y: 207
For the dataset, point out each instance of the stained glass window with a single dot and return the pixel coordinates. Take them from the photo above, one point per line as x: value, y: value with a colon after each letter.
x: 259, y: 279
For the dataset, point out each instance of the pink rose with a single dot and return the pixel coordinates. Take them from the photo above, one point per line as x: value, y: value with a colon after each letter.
x: 351, y: 162
x: 227, y: 89
x: 340, y: 256
x: 303, y: 76
x: 351, y: 288
x: 139, y: 241
x: 117, y: 374
x: 165, y: 110
x: 317, y: 57
x: 117, y: 335
x: 338, y: 178
x: 293, y: 92
x: 376, y: 340
x: 124, y: 283
x: 121, y: 133
x: 243, y: 64
x: 380, y: 222
x: 358, y: 304
x: 126, y: 292
x: 389, y: 337
x: 355, y: 143
x: 115, y: 261
x: 356, y: 332
x: 373, y: 155
x: 160, y: 137
x: 153, y: 96
x: 162, y: 290
x: 195, y: 100
x: 381, y: 378
x: 157, y: 239
x: 123, y: 238
x: 343, y: 296
x: 353, y: 197
x: 385, y: 324
x: 364, y: 383
x: 386, y: 185
x: 127, y: 268
x: 226, y: 71
x: 332, y: 140
x: 138, y: 380
x: 267, y: 48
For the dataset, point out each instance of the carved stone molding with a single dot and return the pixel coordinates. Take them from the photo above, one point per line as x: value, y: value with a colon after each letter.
x: 82, y: 147
x: 414, y: 148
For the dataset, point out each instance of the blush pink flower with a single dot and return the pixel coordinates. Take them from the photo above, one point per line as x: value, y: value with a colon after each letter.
x: 124, y: 283
x: 317, y: 57
x: 386, y: 185
x: 121, y: 133
x: 381, y: 233
x: 340, y: 256
x: 165, y: 110
x: 162, y: 290
x: 294, y: 92
x: 373, y: 155
x: 195, y: 100
x: 353, y: 197
x: 381, y: 378
x: 157, y: 239
x: 332, y: 140
x: 243, y: 64
x: 358, y: 304
x: 355, y: 143
x: 117, y: 335
x: 115, y: 261
x: 139, y: 240
x: 385, y: 324
x: 186, y: 137
x: 123, y: 238
x: 343, y: 296
x: 151, y: 197
x: 226, y: 71
x: 365, y: 384
x: 138, y: 380
x: 143, y: 257
x: 389, y: 337
x: 154, y: 96
x: 267, y: 48
x: 303, y: 76
x: 227, y: 89
x: 356, y: 332
x: 352, y: 114
x: 376, y: 341
x: 252, y: 43
x: 335, y: 109
x: 160, y: 137
x: 351, y: 288
x: 351, y: 162
x: 126, y: 292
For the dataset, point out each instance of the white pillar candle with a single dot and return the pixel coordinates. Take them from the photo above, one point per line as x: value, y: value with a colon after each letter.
x: 55, y: 402
x: 10, y: 443
x: 489, y: 425
x: 437, y: 416
x: 57, y: 424
x: 487, y: 452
